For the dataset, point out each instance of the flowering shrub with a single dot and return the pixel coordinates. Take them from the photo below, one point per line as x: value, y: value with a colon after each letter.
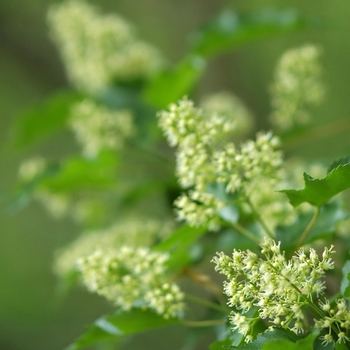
x: 234, y: 193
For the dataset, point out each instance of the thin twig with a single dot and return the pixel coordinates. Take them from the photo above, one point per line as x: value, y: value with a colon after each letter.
x: 308, y: 228
x: 206, y: 323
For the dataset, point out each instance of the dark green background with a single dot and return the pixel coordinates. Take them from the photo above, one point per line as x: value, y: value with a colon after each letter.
x: 30, y: 70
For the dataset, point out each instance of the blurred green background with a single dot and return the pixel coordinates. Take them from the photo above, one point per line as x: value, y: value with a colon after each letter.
x: 31, y: 316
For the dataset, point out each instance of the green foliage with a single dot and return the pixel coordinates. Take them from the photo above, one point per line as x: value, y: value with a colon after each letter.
x: 42, y: 121
x: 225, y: 33
x: 345, y: 282
x: 178, y: 244
x: 229, y: 29
x: 77, y: 173
x: 118, y: 326
x: 269, y: 337
x: 221, y: 192
x: 305, y: 344
x: 319, y: 191
x: 324, y: 227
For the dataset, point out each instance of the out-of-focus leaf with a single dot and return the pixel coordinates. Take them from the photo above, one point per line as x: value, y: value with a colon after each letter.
x: 230, y: 213
x: 116, y: 326
x: 278, y: 344
x: 220, y: 345
x: 267, y: 336
x: 170, y: 85
x: 78, y: 173
x: 24, y: 192
x: 178, y: 244
x: 319, y: 191
x: 38, y: 122
x: 233, y: 338
x: 324, y: 226
x: 345, y: 282
x: 218, y: 189
x: 229, y: 30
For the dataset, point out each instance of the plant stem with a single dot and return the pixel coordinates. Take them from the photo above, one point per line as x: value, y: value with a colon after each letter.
x: 260, y: 219
x: 316, y: 133
x: 204, y: 302
x: 246, y: 232
x: 206, y: 323
x: 308, y: 228
x: 207, y: 282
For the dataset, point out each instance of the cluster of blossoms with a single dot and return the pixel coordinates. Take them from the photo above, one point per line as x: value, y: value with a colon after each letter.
x: 279, y: 289
x: 133, y: 278
x: 204, y: 159
x: 130, y: 232
x: 297, y: 86
x: 97, y: 127
x: 99, y: 49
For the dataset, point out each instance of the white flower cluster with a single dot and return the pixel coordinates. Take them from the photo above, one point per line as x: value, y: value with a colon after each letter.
x: 129, y: 231
x: 97, y: 127
x: 99, y: 49
x: 131, y: 277
x: 297, y: 86
x: 227, y: 104
x: 204, y: 158
x: 278, y: 288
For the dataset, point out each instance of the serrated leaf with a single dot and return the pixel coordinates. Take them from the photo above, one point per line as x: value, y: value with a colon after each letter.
x: 319, y: 191
x: 229, y: 30
x: 263, y: 338
x: 116, y: 326
x: 172, y: 84
x: 178, y: 244
x: 325, y: 226
x: 38, y: 122
x: 278, y: 344
x: 345, y: 282
x: 340, y: 161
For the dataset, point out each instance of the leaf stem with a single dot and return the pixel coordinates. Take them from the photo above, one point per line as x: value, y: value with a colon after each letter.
x: 206, y: 323
x: 260, y: 219
x: 204, y: 302
x: 246, y: 232
x: 207, y: 282
x: 316, y: 133
x: 308, y: 228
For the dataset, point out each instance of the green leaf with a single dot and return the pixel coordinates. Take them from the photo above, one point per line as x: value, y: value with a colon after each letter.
x: 220, y: 345
x: 263, y: 338
x: 278, y: 344
x: 229, y: 213
x: 340, y: 161
x: 78, y: 173
x: 325, y: 226
x: 172, y: 84
x: 25, y: 190
x: 319, y: 191
x: 178, y: 244
x: 116, y: 326
x: 345, y: 282
x: 234, y: 338
x: 229, y: 30
x: 38, y: 122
